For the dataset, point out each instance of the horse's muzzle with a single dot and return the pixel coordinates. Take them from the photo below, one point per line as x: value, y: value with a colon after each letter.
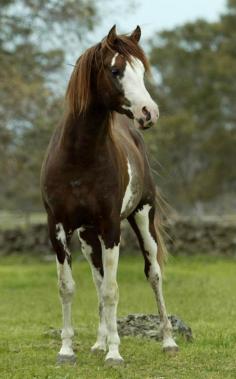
x: 148, y: 117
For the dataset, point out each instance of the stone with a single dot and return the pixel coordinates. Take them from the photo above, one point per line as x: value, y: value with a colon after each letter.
x: 141, y: 325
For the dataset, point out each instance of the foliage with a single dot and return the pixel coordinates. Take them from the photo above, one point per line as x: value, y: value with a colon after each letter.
x: 32, y: 38
x: 199, y: 290
x: 195, y: 138
x: 196, y: 64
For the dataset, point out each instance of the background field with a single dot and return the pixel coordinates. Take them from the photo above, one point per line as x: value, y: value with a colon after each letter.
x: 199, y: 290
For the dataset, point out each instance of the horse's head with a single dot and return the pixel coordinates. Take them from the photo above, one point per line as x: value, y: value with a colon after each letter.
x: 121, y: 82
x: 111, y: 75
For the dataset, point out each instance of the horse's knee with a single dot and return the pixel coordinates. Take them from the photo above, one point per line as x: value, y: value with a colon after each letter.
x: 66, y: 289
x: 110, y: 293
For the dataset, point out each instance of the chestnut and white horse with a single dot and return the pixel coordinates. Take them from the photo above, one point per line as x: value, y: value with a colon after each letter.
x: 95, y: 174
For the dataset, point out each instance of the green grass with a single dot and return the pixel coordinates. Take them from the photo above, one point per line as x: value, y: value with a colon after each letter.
x: 199, y: 290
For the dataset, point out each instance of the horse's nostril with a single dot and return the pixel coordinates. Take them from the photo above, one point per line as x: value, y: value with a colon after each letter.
x: 146, y: 113
x: 144, y: 110
x: 141, y: 122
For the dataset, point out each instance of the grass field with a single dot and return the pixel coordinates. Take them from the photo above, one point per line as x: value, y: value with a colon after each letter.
x: 201, y: 291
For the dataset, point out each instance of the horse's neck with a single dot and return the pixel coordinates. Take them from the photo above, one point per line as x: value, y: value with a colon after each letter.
x: 83, y: 136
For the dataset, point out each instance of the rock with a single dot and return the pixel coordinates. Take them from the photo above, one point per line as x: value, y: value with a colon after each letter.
x: 140, y: 325
x: 149, y: 326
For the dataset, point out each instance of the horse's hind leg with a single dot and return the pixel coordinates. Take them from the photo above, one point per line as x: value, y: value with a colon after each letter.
x: 91, y: 249
x: 142, y: 221
x: 66, y: 289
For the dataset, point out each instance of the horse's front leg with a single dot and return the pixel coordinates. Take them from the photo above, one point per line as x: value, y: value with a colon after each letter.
x: 66, y: 289
x: 91, y: 249
x: 110, y: 243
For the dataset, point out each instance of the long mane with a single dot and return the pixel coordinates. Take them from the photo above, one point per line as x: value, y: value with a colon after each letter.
x: 79, y: 90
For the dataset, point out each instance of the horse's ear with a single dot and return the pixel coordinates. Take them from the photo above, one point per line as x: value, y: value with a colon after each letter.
x: 136, y: 35
x: 112, y: 36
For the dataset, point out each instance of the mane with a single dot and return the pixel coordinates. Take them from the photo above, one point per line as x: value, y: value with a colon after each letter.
x: 79, y: 90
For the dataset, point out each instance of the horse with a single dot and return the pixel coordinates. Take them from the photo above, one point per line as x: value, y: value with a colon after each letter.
x: 95, y: 174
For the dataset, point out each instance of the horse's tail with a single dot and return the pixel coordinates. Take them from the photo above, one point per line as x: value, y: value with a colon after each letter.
x: 161, y: 211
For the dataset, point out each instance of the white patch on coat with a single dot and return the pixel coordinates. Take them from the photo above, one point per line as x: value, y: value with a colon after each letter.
x: 128, y: 196
x: 110, y: 295
x: 87, y: 251
x: 142, y: 220
x: 155, y: 276
x: 135, y: 91
x: 100, y: 344
x: 61, y: 236
x: 66, y: 288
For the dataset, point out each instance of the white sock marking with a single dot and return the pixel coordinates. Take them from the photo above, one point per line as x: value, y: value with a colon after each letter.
x: 110, y: 296
x: 155, y: 276
x: 66, y: 288
x: 100, y: 344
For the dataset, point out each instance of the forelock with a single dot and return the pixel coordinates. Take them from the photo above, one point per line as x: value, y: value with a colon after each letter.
x: 125, y: 46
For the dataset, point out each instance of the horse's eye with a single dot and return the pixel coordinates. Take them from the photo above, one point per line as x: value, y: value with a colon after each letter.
x: 115, y: 71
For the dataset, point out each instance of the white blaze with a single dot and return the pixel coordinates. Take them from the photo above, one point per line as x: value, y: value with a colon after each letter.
x: 135, y: 90
x: 114, y: 59
x: 132, y: 82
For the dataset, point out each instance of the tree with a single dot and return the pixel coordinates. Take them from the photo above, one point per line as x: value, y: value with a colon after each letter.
x: 33, y: 34
x: 196, y: 140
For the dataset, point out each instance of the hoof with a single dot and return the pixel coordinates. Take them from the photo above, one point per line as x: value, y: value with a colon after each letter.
x: 114, y: 362
x: 171, y: 350
x: 66, y: 359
